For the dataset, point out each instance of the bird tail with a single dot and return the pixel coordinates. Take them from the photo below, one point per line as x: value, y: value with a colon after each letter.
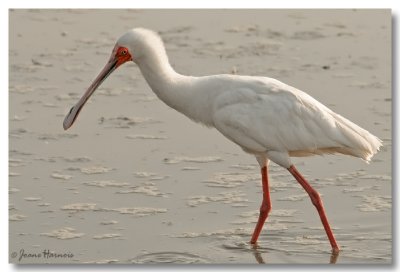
x: 360, y: 143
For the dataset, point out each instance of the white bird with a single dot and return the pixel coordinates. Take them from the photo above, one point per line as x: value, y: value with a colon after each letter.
x: 265, y: 117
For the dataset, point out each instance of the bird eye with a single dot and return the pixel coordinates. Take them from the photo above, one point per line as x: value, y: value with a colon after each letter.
x: 124, y: 52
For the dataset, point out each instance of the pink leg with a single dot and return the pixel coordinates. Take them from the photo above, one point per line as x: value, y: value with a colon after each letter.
x: 316, y: 200
x: 265, y: 205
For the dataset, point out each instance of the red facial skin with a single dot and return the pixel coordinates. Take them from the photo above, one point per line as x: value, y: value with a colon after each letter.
x: 122, y: 55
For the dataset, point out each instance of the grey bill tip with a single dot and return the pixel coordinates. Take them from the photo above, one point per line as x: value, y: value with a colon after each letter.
x: 70, y: 118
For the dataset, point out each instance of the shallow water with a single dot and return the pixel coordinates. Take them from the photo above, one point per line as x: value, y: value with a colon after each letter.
x: 126, y: 185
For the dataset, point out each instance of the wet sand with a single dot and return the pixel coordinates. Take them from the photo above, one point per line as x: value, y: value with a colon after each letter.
x: 136, y: 182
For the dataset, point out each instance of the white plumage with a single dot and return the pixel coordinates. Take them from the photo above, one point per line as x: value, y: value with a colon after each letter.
x: 264, y: 116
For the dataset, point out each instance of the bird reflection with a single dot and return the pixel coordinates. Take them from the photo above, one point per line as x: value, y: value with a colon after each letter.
x: 257, y: 253
x: 255, y: 248
x: 334, y: 257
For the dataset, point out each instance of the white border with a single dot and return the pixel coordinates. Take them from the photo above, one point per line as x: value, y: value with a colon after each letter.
x: 4, y: 28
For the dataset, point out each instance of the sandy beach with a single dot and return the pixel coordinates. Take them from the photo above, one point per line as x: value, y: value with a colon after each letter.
x: 134, y: 181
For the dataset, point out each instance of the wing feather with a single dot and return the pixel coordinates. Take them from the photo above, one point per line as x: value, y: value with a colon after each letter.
x: 269, y: 115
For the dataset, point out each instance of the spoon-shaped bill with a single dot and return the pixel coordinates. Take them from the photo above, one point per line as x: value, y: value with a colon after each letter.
x: 74, y: 111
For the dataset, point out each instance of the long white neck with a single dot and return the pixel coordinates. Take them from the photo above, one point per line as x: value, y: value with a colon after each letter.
x: 170, y: 86
x: 183, y: 93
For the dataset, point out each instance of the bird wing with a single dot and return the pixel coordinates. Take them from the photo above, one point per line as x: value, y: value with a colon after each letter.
x: 268, y: 115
